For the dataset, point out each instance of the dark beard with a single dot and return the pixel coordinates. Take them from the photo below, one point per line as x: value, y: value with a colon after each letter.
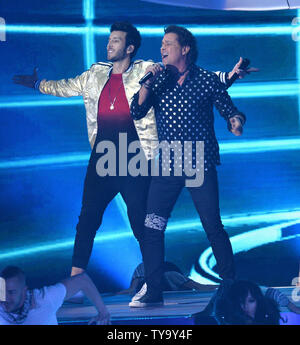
x: 117, y: 58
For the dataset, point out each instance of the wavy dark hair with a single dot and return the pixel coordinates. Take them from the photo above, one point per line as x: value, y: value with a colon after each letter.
x: 132, y: 35
x: 228, y: 310
x: 185, y: 38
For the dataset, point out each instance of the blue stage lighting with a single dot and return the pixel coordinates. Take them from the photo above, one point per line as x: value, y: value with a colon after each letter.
x: 242, y: 242
x: 46, y: 247
x: 89, y: 9
x: 157, y: 30
x: 64, y: 159
x: 256, y: 146
x: 39, y: 101
x: 289, y: 217
x: 298, y: 68
x: 222, y: 30
x: 267, y: 89
x: 45, y: 29
x: 89, y: 38
x: 245, y: 90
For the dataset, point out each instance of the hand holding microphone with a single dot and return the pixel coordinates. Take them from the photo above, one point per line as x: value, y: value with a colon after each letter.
x: 151, y: 73
x: 167, y: 76
x: 147, y: 80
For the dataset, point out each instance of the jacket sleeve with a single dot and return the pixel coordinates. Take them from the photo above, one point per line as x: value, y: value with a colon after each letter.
x: 165, y: 79
x: 223, y: 78
x: 65, y: 87
x: 139, y: 111
x: 223, y: 102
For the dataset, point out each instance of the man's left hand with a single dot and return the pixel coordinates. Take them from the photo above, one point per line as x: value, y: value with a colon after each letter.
x: 236, y: 126
x: 241, y: 72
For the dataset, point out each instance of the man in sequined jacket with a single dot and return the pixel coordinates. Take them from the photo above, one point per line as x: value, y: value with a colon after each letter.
x: 183, y: 102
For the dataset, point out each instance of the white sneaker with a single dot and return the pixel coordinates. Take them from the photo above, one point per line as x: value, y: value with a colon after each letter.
x: 147, y: 301
x: 140, y: 294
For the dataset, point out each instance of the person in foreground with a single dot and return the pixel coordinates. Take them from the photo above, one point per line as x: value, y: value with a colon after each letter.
x: 183, y: 98
x: 22, y: 306
x: 173, y: 280
x: 242, y: 302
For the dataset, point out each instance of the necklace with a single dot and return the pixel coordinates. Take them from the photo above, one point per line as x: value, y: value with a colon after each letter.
x: 112, y: 103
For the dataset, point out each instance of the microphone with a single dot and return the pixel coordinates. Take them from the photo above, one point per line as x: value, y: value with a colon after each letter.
x: 149, y: 75
x: 244, y: 65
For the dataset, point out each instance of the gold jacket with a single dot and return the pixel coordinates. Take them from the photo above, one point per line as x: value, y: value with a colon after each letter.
x: 90, y: 84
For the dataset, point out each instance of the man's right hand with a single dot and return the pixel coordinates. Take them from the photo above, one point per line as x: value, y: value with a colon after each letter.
x: 27, y: 80
x: 145, y: 89
x: 154, y: 69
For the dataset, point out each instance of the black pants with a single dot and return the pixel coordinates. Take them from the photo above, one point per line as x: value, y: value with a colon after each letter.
x: 162, y: 197
x: 97, y: 194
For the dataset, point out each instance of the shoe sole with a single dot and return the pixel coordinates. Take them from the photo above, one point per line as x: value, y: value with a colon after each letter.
x: 137, y: 297
x: 134, y: 304
x: 139, y: 294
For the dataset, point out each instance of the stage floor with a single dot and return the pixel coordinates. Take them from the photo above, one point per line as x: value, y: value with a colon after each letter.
x: 179, y: 309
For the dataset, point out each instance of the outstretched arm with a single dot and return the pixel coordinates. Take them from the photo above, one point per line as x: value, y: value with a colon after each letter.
x: 234, y: 118
x: 226, y: 78
x: 241, y: 72
x: 82, y: 282
x: 61, y: 88
x: 29, y: 80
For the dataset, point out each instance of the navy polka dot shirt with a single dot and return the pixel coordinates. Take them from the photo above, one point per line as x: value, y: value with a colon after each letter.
x: 185, y: 113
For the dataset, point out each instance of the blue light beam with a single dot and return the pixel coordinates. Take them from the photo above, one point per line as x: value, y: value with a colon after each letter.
x: 153, y: 30
x: 292, y: 217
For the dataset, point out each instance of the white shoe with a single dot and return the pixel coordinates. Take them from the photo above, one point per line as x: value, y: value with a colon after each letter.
x: 147, y: 301
x: 140, y: 294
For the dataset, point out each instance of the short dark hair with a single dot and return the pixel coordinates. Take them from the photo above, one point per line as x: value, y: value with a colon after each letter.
x: 13, y: 271
x: 132, y: 35
x: 185, y: 38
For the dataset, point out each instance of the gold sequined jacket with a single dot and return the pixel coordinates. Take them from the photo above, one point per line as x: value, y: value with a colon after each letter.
x: 90, y: 84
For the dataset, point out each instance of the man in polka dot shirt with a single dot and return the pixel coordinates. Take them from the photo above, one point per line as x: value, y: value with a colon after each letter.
x: 183, y: 100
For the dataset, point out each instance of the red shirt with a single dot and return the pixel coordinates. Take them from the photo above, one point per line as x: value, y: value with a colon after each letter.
x: 113, y: 121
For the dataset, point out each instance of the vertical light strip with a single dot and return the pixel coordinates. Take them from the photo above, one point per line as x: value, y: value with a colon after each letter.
x: 298, y: 68
x: 89, y: 37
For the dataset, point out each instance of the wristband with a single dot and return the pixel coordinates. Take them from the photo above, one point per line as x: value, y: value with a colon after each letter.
x: 147, y: 86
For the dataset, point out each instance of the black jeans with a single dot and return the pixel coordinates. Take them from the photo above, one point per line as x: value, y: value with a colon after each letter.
x: 162, y: 197
x: 97, y: 194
